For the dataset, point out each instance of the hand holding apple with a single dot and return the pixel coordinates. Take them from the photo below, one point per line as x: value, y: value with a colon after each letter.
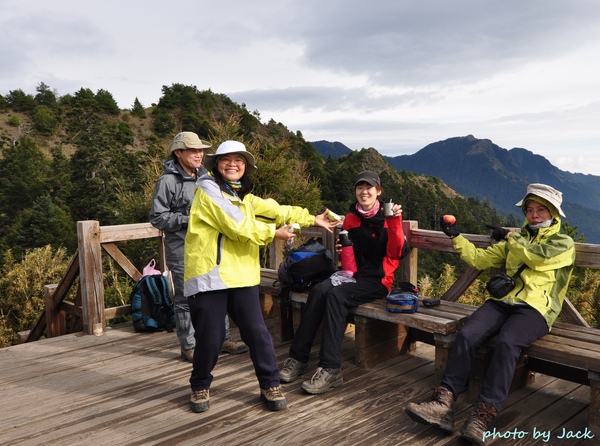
x: 450, y: 219
x: 448, y: 225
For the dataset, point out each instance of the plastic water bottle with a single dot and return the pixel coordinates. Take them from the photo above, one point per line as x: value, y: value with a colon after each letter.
x: 347, y: 255
x: 295, y: 229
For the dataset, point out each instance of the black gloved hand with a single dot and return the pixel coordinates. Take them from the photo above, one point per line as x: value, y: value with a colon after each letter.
x: 449, y: 229
x: 498, y: 233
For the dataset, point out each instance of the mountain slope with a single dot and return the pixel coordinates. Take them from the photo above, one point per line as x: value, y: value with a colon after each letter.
x: 479, y: 168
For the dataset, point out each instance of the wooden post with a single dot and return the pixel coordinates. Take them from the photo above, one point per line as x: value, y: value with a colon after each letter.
x: 376, y: 341
x: 594, y: 410
x: 408, y: 265
x: 275, y: 254
x: 90, y: 277
x: 443, y: 345
x: 56, y: 320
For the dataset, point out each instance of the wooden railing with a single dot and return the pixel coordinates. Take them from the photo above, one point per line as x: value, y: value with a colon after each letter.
x: 88, y: 311
x: 90, y: 314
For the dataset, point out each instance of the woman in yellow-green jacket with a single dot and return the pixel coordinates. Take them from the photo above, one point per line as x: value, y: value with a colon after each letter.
x: 543, y: 259
x: 227, y: 226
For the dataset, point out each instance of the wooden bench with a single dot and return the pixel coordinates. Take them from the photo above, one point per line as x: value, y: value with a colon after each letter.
x: 380, y: 335
x: 571, y: 351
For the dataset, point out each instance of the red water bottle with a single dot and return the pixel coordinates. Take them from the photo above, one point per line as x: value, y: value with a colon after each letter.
x: 347, y: 255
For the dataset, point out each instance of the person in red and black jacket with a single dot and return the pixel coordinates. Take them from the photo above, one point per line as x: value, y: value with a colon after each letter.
x: 379, y: 244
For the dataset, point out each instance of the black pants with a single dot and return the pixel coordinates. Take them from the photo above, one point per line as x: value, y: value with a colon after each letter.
x: 329, y: 305
x: 208, y: 312
x: 516, y: 327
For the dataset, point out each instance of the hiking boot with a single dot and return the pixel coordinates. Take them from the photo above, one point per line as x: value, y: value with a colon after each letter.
x: 323, y: 380
x: 188, y: 355
x: 438, y: 411
x: 200, y: 400
x: 234, y: 347
x: 477, y: 422
x: 292, y: 369
x: 274, y: 398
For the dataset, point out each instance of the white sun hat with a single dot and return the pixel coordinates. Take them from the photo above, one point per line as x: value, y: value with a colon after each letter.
x: 228, y: 147
x: 548, y: 193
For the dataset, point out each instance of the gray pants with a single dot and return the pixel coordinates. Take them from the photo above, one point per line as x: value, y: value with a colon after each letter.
x: 183, y: 321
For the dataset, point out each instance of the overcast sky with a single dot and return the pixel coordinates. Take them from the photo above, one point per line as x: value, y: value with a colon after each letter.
x: 395, y: 75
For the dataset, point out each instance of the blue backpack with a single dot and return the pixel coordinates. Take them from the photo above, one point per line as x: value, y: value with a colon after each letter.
x: 151, y: 304
x: 304, y: 267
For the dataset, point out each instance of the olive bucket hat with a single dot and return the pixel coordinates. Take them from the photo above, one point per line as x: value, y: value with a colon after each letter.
x: 187, y: 140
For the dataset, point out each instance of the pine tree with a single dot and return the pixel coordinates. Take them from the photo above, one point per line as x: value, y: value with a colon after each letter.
x: 137, y: 109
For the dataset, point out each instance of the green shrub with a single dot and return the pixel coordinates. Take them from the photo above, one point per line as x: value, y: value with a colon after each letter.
x: 22, y: 289
x: 44, y: 120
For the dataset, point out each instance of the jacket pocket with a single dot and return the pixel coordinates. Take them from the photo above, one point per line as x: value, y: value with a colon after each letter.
x: 219, y: 248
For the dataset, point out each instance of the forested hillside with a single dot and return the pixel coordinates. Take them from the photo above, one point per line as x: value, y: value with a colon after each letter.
x: 79, y: 157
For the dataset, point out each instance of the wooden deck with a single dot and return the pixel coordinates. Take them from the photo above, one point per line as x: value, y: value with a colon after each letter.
x: 125, y: 388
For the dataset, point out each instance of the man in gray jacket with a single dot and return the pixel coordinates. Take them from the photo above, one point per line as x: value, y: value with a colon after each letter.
x: 170, y: 209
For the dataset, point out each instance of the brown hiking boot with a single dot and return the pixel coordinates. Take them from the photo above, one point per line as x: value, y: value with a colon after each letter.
x: 323, y: 380
x: 274, y: 398
x: 292, y: 369
x: 477, y: 422
x: 188, y: 355
x: 438, y: 411
x: 234, y: 347
x: 200, y: 400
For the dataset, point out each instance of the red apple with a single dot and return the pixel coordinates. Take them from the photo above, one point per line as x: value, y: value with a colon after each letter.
x: 450, y: 219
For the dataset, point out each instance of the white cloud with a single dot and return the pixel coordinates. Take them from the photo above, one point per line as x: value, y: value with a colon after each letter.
x: 394, y: 75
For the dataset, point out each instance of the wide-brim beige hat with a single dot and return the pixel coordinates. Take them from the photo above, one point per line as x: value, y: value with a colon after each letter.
x: 548, y: 193
x: 227, y: 147
x: 187, y: 140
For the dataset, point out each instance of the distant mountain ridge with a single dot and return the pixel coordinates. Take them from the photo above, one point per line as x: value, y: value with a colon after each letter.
x: 479, y: 168
x: 331, y: 149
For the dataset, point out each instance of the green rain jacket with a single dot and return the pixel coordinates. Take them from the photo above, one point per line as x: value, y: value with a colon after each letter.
x: 224, y: 236
x: 549, y: 256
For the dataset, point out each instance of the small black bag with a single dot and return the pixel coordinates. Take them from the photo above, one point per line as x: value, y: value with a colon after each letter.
x: 501, y: 284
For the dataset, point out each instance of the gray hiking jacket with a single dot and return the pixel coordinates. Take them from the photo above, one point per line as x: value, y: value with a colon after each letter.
x: 170, y: 208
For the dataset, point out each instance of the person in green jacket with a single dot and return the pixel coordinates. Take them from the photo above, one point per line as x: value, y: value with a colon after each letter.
x: 545, y: 259
x: 227, y: 226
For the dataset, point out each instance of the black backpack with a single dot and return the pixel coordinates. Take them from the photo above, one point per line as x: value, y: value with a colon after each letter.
x: 305, y: 266
x: 151, y: 304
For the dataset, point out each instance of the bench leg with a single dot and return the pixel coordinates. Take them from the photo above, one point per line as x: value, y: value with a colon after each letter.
x: 594, y: 410
x: 377, y: 341
x: 296, y: 314
x: 272, y: 307
x: 522, y: 377
x: 443, y: 345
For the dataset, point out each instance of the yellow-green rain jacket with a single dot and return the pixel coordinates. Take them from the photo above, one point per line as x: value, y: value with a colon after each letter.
x: 549, y: 256
x: 224, y: 236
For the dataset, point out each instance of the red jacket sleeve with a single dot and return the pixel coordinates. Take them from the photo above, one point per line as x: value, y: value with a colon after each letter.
x: 396, y: 238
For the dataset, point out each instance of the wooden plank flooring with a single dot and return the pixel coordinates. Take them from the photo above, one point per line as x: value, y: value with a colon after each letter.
x: 126, y: 388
